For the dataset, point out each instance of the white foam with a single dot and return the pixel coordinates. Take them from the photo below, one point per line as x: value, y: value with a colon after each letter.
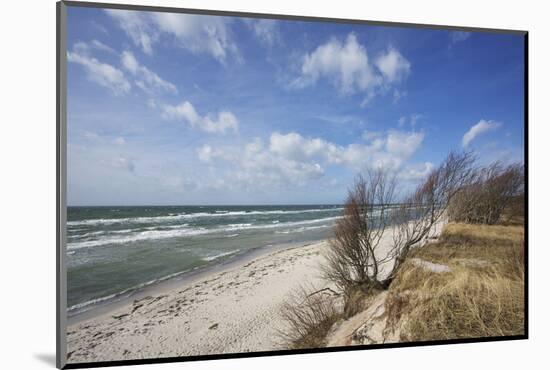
x: 183, y: 231
x: 212, y: 258
x: 175, y: 217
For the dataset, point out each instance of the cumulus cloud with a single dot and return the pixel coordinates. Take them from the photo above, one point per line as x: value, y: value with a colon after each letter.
x: 417, y: 172
x: 207, y: 153
x: 370, y: 135
x: 196, y: 33
x: 393, y: 65
x: 347, y: 66
x: 259, y: 165
x: 146, y: 79
x: 389, y: 151
x: 101, y: 73
x: 293, y: 159
x: 186, y: 112
x: 479, y: 128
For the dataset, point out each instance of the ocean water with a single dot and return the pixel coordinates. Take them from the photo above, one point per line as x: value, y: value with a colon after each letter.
x: 115, y: 251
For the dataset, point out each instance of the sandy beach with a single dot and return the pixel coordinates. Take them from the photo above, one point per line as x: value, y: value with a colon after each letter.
x: 230, y: 311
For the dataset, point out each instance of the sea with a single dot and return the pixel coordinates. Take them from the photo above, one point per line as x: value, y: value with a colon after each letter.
x: 114, y: 252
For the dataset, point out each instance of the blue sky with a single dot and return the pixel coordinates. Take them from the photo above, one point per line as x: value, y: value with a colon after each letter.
x: 185, y: 109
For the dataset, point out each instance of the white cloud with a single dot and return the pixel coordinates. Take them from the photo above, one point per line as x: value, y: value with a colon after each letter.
x: 137, y: 26
x: 119, y: 141
x: 205, y: 153
x: 123, y: 163
x: 260, y: 166
x: 186, y: 111
x: 479, y: 128
x: 340, y: 119
x: 265, y: 30
x: 293, y: 159
x: 403, y: 144
x: 101, y: 73
x: 146, y: 79
x: 398, y: 95
x: 415, y: 117
x: 196, y: 33
x: 393, y: 65
x: 370, y: 135
x: 84, y: 48
x: 458, y: 36
x: 389, y: 151
x: 417, y: 172
x: 412, y: 119
x: 402, y: 120
x: 346, y: 65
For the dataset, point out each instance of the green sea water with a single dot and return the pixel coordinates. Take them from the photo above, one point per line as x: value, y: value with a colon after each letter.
x: 113, y: 252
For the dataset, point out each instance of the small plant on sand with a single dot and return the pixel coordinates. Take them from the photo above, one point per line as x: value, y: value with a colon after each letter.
x: 308, y: 315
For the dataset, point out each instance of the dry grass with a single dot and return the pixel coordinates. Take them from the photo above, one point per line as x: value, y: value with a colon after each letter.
x: 357, y: 300
x: 309, y: 315
x: 482, y: 295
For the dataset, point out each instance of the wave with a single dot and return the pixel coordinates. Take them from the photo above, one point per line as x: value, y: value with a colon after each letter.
x: 139, y: 236
x: 184, y: 231
x: 180, y: 216
x: 125, y: 231
x: 301, y: 229
x: 212, y: 258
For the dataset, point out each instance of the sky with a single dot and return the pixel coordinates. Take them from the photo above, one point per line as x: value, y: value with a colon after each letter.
x: 178, y: 109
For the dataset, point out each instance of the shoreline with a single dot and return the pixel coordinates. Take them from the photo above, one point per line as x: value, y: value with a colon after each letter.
x: 184, y: 278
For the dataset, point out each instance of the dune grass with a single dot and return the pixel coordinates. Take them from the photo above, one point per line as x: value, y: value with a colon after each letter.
x: 481, y: 296
x: 309, y: 315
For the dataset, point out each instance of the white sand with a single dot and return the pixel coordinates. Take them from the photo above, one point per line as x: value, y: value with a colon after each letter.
x: 231, y: 311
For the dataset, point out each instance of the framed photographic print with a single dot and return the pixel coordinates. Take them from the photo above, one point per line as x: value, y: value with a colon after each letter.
x: 235, y: 184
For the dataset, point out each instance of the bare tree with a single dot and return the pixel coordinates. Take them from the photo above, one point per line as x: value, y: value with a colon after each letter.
x: 352, y: 259
x: 356, y: 257
x: 493, y: 188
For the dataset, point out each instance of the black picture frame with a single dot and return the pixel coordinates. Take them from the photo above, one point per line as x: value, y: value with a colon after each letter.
x: 61, y: 194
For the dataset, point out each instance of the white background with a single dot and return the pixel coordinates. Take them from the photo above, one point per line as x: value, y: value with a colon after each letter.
x: 27, y: 208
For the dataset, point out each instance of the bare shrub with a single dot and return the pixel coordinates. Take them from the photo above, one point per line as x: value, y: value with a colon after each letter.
x: 494, y: 188
x: 309, y: 315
